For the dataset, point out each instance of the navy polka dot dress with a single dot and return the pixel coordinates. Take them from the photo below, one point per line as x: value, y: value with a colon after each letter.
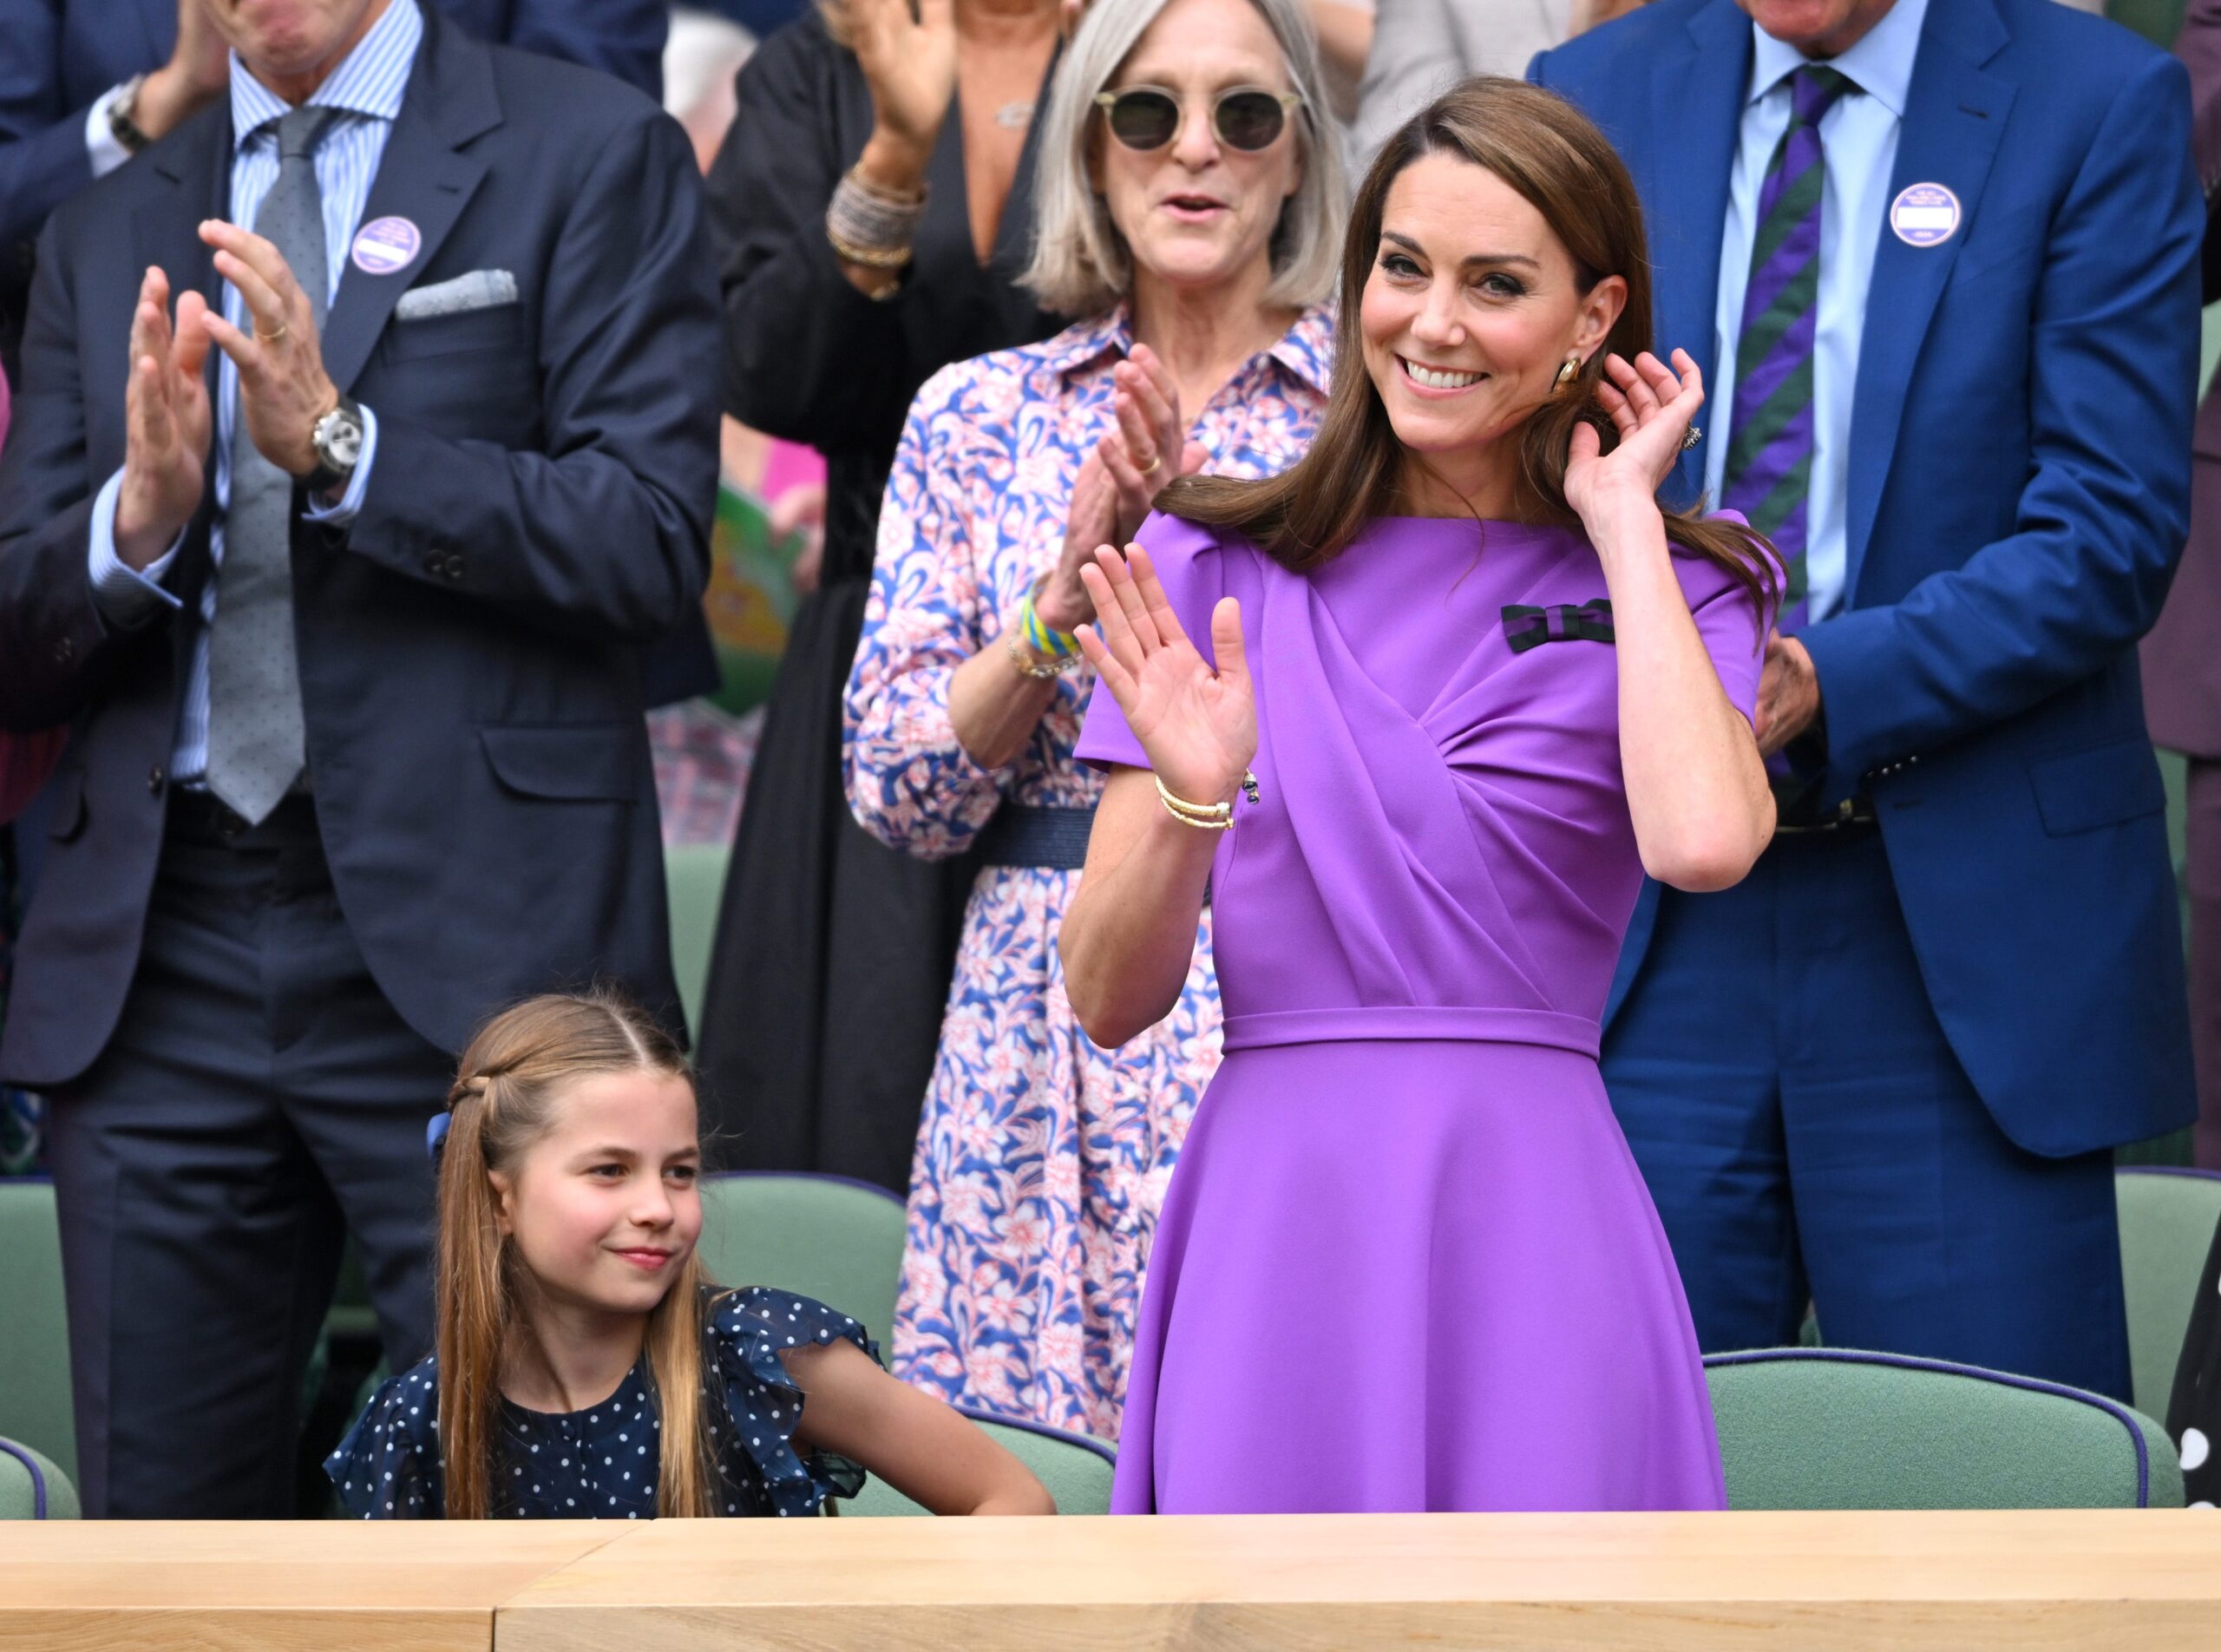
x: 601, y: 1463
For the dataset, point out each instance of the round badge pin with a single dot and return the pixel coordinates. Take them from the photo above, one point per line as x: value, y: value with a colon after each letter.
x: 385, y: 245
x: 1924, y: 215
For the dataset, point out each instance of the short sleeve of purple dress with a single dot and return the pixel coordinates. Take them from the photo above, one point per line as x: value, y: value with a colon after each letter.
x: 1406, y: 1261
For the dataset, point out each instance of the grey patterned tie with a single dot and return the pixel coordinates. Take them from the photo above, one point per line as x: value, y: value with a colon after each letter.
x: 256, y: 746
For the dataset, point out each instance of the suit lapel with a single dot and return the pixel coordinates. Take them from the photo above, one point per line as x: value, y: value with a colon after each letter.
x: 1697, y: 89
x: 423, y: 178
x: 1955, y: 115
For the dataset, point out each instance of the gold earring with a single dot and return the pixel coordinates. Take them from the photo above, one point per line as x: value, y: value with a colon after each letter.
x: 1570, y: 371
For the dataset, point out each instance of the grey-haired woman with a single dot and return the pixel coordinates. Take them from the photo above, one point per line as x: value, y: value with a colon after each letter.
x: 1190, y: 199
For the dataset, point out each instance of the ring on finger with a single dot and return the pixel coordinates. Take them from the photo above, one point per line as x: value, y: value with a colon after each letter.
x: 262, y: 337
x: 1155, y: 460
x: 1695, y: 436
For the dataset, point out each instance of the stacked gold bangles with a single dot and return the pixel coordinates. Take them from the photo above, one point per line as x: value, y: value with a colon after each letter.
x: 1208, y: 817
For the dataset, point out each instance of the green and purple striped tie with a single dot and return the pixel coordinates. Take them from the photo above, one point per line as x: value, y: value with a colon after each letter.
x: 1770, y: 447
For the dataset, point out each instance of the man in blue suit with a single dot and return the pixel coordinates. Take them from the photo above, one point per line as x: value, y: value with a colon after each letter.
x: 334, y: 544
x: 1938, y: 260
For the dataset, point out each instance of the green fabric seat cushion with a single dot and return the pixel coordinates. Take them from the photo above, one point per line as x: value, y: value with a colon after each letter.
x: 32, y: 1487
x: 1827, y: 1428
x: 35, y: 1406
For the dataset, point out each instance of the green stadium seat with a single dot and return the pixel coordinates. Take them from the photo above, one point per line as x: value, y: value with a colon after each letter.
x: 694, y: 878
x: 826, y: 1236
x: 2157, y: 21
x: 1829, y: 1428
x: 1075, y: 1469
x: 2167, y: 1221
x: 31, y: 1487
x: 35, y: 1346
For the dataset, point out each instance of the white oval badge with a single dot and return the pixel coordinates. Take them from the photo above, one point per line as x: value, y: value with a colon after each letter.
x: 1924, y: 215
x: 385, y: 245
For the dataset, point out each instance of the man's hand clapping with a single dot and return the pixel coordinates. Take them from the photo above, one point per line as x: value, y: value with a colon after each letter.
x: 166, y: 422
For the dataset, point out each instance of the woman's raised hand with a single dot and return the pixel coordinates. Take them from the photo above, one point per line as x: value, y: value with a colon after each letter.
x: 1198, y: 727
x: 909, y: 61
x: 1147, y: 449
x: 1651, y: 405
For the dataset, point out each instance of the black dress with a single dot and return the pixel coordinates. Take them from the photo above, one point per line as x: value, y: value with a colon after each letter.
x: 833, y: 952
x: 601, y: 1463
x: 2194, y: 1413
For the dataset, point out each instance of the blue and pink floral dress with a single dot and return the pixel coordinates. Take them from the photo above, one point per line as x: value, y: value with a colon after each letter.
x: 1041, y: 1160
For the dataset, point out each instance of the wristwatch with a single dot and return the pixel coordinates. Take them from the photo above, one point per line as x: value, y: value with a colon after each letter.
x: 337, y: 439
x: 121, y: 109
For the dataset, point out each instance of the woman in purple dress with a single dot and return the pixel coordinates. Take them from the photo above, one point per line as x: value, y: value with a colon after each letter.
x: 1456, y: 682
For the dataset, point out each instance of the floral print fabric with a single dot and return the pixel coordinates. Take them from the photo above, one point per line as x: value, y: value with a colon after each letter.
x: 1041, y: 1160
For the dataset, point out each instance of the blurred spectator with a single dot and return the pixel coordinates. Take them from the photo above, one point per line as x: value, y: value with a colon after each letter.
x: 2182, y: 667
x: 1041, y: 1159
x: 866, y: 123
x: 1421, y: 47
x: 1937, y: 260
x: 358, y: 754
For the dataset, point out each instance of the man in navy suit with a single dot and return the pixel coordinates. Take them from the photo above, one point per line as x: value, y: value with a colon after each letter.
x: 1938, y: 260
x: 334, y: 543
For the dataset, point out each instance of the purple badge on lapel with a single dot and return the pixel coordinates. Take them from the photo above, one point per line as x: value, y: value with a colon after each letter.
x: 1924, y: 215
x: 385, y: 245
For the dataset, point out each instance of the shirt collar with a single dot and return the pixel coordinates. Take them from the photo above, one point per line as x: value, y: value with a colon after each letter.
x: 1880, y: 65
x: 370, y: 80
x: 1306, y: 349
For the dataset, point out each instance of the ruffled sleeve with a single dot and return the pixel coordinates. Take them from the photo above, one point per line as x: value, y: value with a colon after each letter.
x: 388, y: 1468
x: 1186, y: 558
x: 748, y: 1331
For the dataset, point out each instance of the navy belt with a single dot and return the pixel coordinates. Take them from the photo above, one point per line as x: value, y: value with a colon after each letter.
x: 1031, y: 835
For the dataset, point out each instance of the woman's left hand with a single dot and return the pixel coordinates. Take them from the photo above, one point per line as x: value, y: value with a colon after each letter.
x: 1652, y: 408
x: 1148, y: 448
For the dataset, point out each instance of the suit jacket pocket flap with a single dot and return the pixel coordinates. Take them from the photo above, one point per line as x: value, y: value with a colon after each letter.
x: 2100, y: 787
x: 582, y: 762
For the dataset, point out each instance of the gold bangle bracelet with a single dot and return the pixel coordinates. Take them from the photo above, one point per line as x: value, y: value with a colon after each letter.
x: 870, y: 257
x: 1041, y: 671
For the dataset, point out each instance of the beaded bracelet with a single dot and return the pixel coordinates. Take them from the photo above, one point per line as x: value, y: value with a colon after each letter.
x: 870, y: 227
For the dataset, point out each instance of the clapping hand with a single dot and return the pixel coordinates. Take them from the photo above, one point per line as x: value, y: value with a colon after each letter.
x: 166, y: 422
x: 1140, y: 451
x: 284, y: 390
x: 1651, y: 409
x: 909, y: 63
x: 1198, y: 727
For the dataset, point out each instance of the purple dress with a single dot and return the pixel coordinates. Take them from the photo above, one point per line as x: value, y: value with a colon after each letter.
x: 1406, y: 1261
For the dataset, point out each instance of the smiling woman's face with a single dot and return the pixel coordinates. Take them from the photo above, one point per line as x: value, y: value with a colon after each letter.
x: 1472, y: 307
x: 1197, y: 211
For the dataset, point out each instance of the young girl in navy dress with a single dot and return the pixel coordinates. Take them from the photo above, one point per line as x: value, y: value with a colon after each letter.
x: 586, y: 1367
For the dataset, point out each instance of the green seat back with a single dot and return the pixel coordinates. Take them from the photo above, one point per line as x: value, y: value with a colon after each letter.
x: 694, y: 877
x: 2157, y: 21
x: 33, y: 1327
x: 31, y: 1487
x: 2167, y: 1223
x: 825, y: 1237
x: 1075, y: 1469
x: 1826, y: 1428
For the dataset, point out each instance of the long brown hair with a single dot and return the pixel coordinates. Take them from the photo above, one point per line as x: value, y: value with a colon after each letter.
x: 507, y: 1088
x: 1555, y: 157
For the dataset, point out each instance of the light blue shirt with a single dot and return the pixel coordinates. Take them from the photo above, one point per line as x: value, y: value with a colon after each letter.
x: 368, y: 86
x: 1858, y: 137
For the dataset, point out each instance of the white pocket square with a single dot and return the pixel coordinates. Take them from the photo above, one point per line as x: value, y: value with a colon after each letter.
x: 479, y: 289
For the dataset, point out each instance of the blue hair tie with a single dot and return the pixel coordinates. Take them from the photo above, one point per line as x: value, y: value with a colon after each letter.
x: 436, y: 1133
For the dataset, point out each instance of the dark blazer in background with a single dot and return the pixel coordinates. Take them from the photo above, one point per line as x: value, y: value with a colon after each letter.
x: 469, y: 648
x: 2018, y: 497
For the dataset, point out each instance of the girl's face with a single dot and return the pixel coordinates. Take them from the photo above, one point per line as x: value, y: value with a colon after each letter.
x: 1472, y: 307
x: 1197, y: 211
x: 605, y: 1208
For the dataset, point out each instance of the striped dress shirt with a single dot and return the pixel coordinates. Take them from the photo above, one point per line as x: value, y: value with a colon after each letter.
x: 367, y: 88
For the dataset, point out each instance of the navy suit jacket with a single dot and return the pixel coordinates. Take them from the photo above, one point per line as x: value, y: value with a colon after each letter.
x: 2019, y: 494
x: 57, y: 57
x: 468, y: 648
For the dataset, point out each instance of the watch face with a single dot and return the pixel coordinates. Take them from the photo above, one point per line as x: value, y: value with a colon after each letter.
x: 339, y: 439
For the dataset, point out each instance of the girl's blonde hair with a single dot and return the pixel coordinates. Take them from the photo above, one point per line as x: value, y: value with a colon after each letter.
x: 1081, y: 263
x: 506, y: 1091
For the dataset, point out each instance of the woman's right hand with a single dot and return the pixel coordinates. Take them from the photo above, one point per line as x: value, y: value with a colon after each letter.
x: 1197, y: 726
x: 910, y: 64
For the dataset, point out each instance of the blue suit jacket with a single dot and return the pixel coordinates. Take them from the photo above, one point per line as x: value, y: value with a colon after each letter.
x: 2019, y: 493
x: 56, y: 56
x: 469, y: 646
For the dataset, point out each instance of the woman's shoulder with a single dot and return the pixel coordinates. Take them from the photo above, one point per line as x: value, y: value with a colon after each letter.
x: 993, y: 384
x: 760, y: 1320
x: 1704, y: 577
x: 389, y: 1464
x: 800, y: 54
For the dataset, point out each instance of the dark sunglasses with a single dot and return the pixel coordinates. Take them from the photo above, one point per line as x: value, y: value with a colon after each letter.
x: 1245, y: 117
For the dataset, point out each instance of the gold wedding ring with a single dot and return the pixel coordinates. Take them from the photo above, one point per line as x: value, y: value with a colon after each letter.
x: 1155, y: 460
x: 261, y: 338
